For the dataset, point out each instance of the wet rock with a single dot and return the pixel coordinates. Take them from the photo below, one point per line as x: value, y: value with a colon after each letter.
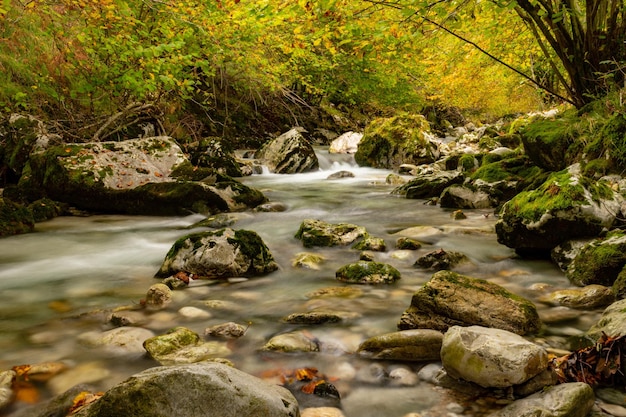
x: 6, y: 388
x: 429, y: 185
x: 158, y: 296
x: 567, y: 206
x: 292, y: 342
x: 194, y: 390
x: 441, y: 260
x: 228, y: 330
x: 406, y: 243
x: 58, y: 406
x: 565, y: 400
x: 182, y: 345
x: 320, y: 317
x: 391, y: 142
x: 458, y: 215
x: 307, y: 260
x: 428, y: 234
x: 219, y: 254
x: 364, y: 272
x: 450, y: 299
x: 319, y: 233
x: 339, y: 175
x: 141, y: 176
x: 612, y: 322
x: 346, y: 143
x: 118, y: 341
x: 214, y: 153
x: 599, y: 261
x: 564, y: 254
x: 374, y: 244
x: 342, y: 292
x: 587, y: 298
x: 464, y: 197
x: 271, y: 207
x: 491, y: 357
x: 409, y: 345
x: 190, y: 312
x: 322, y: 412
x: 290, y: 153
x: 619, y: 286
x: 395, y: 179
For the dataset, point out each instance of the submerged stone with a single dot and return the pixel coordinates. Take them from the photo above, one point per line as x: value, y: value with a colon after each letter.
x: 420, y: 345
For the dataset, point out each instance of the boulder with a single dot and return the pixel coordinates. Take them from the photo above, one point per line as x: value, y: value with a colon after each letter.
x: 371, y: 243
x: 346, y: 143
x: 214, y: 153
x: 368, y: 272
x: 181, y: 345
x: 290, y: 153
x: 320, y: 233
x: 546, y: 142
x: 390, y: 142
x: 307, y: 260
x: 586, y: 298
x: 292, y: 342
x: 450, y: 299
x: 440, y: 259
x: 194, y: 390
x: 230, y: 330
x: 465, y: 197
x: 567, y: 206
x: 219, y: 254
x: 141, y: 176
x: 421, y: 345
x: 429, y: 185
x: 612, y: 322
x: 599, y: 261
x: 6, y: 388
x: 121, y: 341
x: 573, y: 399
x: 491, y: 357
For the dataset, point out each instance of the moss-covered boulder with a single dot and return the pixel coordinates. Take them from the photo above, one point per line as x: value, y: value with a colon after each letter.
x: 441, y: 259
x: 194, y: 390
x: 391, y: 142
x: 450, y: 299
x: 139, y: 176
x: 419, y: 345
x: 366, y: 272
x: 599, y: 261
x: 371, y: 243
x: 182, y: 345
x: 219, y: 254
x: 290, y: 153
x: 429, y: 185
x: 320, y: 233
x: 546, y: 142
x: 606, y: 150
x: 15, y: 218
x: 567, y: 206
x: 214, y: 153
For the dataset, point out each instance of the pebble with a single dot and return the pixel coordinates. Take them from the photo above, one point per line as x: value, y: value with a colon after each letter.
x: 194, y: 313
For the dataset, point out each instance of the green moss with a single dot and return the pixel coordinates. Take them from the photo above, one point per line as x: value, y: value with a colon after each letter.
x: 559, y: 192
x: 467, y: 162
x: 601, y: 261
x: 368, y: 273
x: 517, y: 168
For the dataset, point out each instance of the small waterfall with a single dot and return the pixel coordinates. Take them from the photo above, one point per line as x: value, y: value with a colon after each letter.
x: 334, y: 161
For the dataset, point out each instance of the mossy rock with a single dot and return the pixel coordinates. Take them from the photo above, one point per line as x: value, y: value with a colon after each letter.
x: 371, y: 243
x: 600, y: 261
x: 215, y: 153
x: 429, y: 185
x: 15, y: 218
x: 364, y: 272
x: 546, y: 142
x: 619, y: 285
x: 46, y: 209
x: 567, y: 206
x: 319, y: 233
x: 391, y: 142
x: 609, y: 144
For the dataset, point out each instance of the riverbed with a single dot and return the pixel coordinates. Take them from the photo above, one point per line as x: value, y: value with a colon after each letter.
x: 63, y: 280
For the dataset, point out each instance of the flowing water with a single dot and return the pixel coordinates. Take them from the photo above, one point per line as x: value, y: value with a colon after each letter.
x: 59, y: 283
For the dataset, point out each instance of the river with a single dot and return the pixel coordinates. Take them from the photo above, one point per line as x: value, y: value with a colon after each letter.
x: 60, y: 281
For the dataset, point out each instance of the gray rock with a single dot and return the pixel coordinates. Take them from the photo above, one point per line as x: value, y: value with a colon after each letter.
x: 290, y: 153
x: 6, y: 388
x: 219, y: 254
x: 599, y: 261
x: 565, y: 400
x: 339, y: 175
x: 420, y: 345
x: 195, y: 390
x: 158, y: 296
x: 346, y: 143
x: 228, y: 330
x: 429, y: 185
x: 491, y: 357
x: 319, y: 233
x: 119, y: 341
x: 320, y: 317
x: 450, y: 299
x: 463, y: 197
x: 141, y: 176
x: 371, y: 243
x: 292, y: 342
x: 612, y: 322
